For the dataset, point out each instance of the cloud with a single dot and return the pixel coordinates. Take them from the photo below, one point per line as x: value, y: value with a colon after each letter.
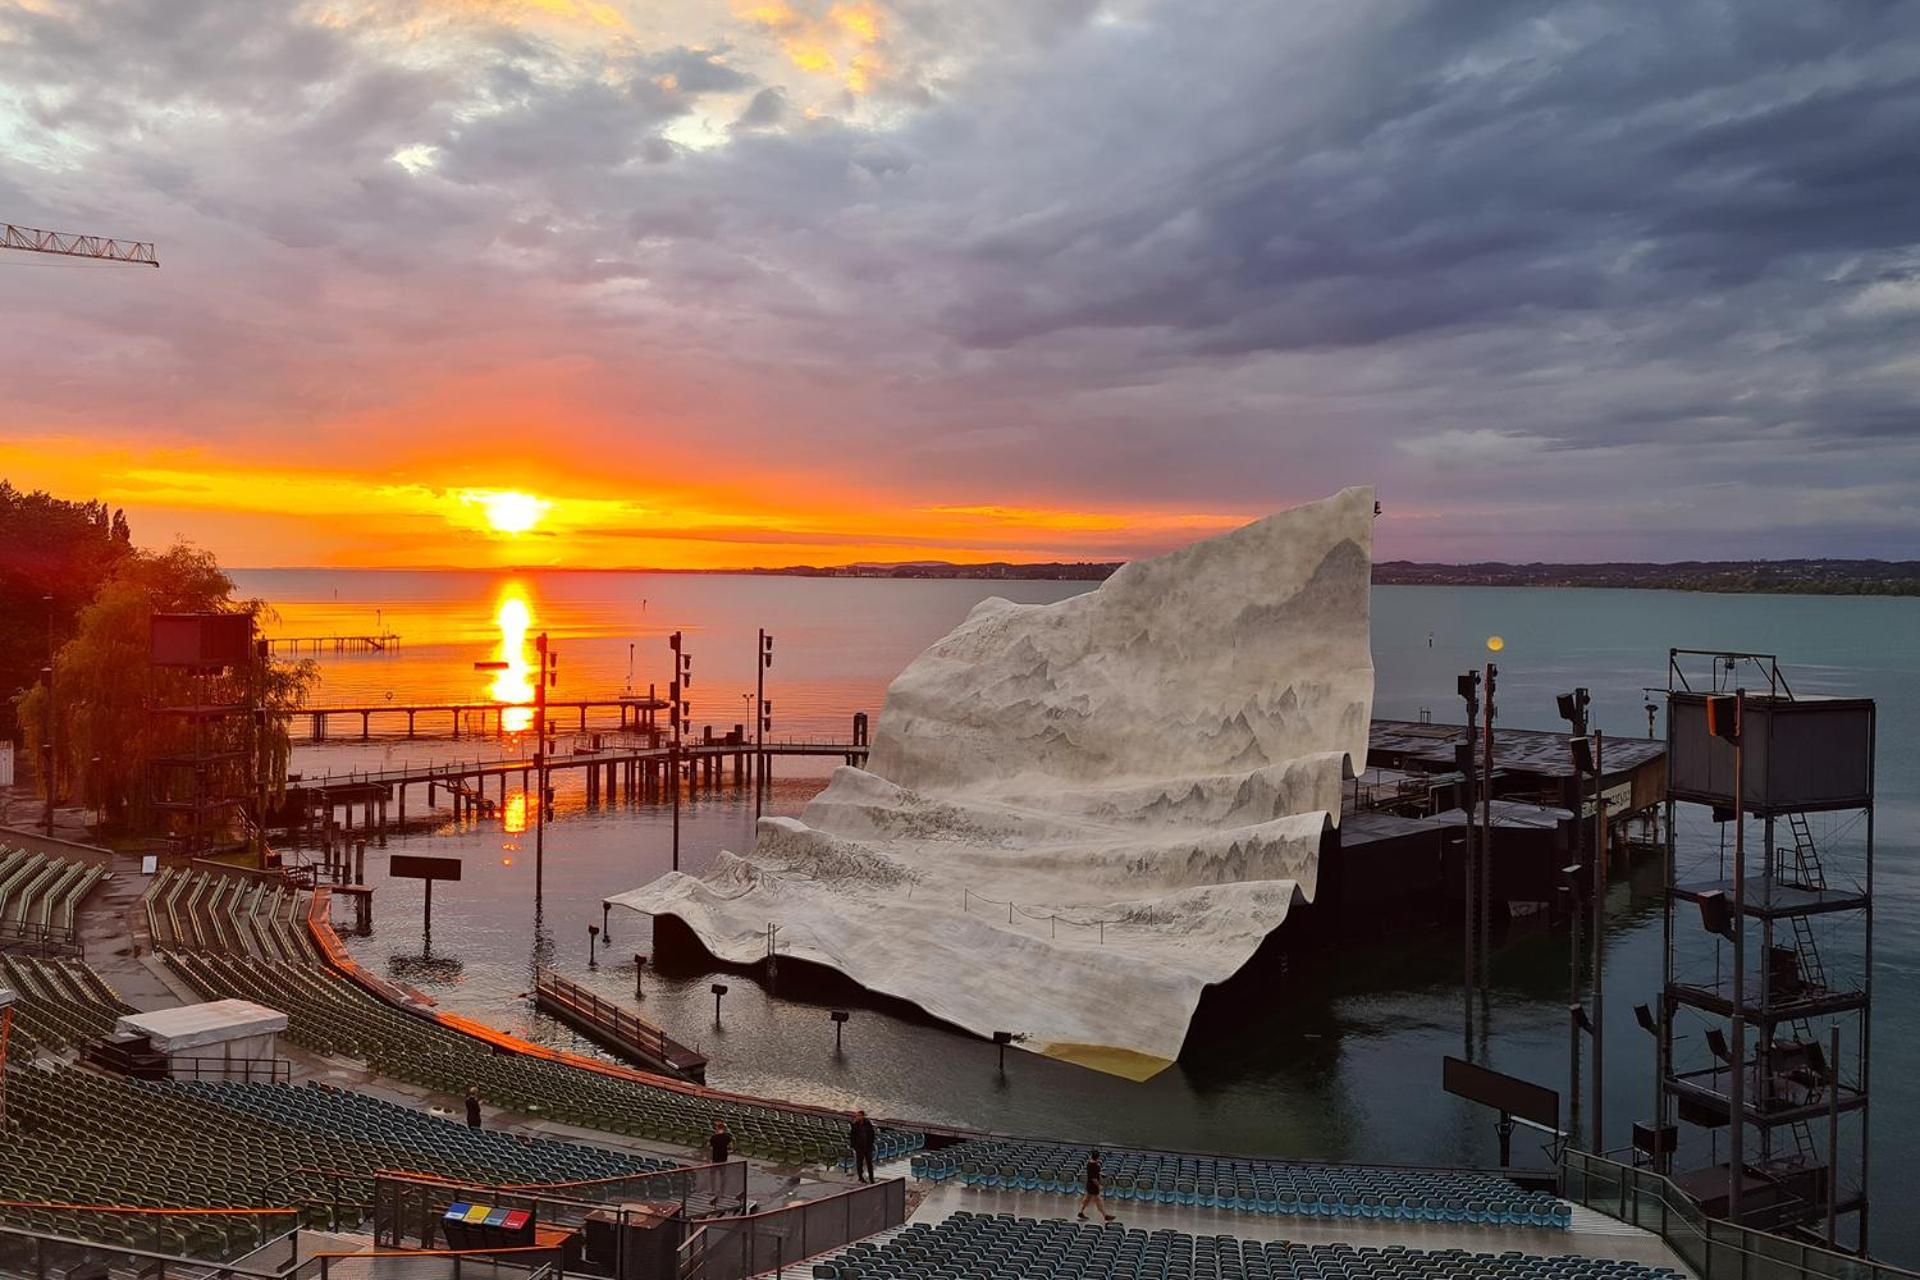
x: 1529, y: 268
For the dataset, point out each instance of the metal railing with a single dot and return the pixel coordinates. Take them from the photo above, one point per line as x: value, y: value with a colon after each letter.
x: 609, y: 1015
x: 33, y: 938
x: 412, y: 1207
x: 46, y: 1254
x: 529, y: 1262
x: 229, y: 1070
x: 768, y: 1243
x: 1713, y: 1249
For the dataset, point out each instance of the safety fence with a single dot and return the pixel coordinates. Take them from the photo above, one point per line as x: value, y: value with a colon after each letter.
x: 1711, y: 1248
x: 767, y: 1243
x: 534, y: 1262
x: 36, y: 1254
x: 410, y: 1208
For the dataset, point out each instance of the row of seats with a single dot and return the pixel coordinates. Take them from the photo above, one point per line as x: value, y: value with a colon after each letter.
x: 1248, y: 1186
x: 319, y: 1108
x: 201, y: 910
x: 84, y: 1138
x: 979, y: 1247
x: 44, y: 891
x: 330, y: 1015
x: 62, y: 1004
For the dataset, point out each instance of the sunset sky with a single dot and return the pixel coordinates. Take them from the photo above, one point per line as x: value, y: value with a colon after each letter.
x: 817, y: 281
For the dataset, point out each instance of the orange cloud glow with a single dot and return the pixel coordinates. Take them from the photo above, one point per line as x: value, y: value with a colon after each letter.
x: 259, y: 514
x: 844, y: 44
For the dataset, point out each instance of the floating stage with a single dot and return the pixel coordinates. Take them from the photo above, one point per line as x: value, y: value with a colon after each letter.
x: 1078, y: 818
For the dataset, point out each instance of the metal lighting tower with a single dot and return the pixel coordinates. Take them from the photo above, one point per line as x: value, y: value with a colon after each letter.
x: 1772, y: 1072
x: 762, y: 722
x: 682, y: 680
x: 1463, y: 760
x: 549, y: 674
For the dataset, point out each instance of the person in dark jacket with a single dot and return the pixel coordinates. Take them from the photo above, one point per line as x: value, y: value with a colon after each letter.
x: 1091, y: 1186
x: 473, y: 1106
x: 860, y: 1138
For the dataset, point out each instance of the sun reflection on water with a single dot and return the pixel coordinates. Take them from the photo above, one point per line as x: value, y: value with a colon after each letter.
x: 515, y: 816
x: 512, y: 684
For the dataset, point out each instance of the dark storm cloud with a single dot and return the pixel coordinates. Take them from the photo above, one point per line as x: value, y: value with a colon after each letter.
x: 1219, y: 254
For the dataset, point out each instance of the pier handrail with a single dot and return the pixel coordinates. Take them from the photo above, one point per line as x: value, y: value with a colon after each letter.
x: 504, y: 764
x: 621, y: 1022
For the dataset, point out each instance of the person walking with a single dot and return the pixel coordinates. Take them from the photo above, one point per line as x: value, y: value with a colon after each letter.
x: 860, y: 1138
x: 719, y: 1142
x: 473, y: 1106
x: 1091, y: 1189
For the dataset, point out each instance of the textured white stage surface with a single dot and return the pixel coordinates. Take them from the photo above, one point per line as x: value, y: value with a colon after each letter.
x: 1079, y: 815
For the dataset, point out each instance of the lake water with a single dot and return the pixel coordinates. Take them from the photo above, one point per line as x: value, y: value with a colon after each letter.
x: 1343, y: 1063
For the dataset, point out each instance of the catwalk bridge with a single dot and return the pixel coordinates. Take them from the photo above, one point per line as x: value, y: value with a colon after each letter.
x: 642, y: 773
x: 634, y: 712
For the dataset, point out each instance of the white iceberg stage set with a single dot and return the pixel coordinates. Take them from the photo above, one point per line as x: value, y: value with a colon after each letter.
x: 1078, y: 816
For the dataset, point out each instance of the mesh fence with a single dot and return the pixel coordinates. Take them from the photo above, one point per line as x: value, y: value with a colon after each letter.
x: 38, y: 1255
x: 410, y: 1210
x: 753, y: 1244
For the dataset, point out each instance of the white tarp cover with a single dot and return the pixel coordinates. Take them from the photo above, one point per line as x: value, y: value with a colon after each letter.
x: 1077, y: 816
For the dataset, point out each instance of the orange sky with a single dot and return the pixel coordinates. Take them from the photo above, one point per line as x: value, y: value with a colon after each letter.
x: 256, y: 514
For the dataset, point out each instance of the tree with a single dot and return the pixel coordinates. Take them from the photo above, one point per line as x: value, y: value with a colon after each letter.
x: 48, y: 548
x: 105, y: 694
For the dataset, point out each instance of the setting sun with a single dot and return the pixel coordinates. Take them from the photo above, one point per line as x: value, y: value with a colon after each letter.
x: 509, y: 511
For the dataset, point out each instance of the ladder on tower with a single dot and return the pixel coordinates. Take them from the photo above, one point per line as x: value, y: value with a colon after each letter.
x: 1807, y: 871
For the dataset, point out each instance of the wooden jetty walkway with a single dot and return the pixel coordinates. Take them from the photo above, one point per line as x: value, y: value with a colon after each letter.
x: 617, y: 1030
x: 385, y: 642
x: 642, y: 772
x: 636, y: 712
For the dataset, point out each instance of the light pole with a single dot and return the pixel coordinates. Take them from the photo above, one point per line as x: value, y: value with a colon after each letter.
x: 1463, y: 760
x: 548, y: 671
x: 1570, y: 885
x: 1586, y: 755
x: 682, y: 680
x: 49, y: 754
x: 762, y: 722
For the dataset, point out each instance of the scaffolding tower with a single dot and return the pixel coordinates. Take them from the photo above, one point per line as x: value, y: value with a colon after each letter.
x: 207, y: 784
x: 1764, y: 1028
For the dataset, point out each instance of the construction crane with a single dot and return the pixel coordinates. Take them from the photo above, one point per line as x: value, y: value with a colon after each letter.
x: 70, y: 245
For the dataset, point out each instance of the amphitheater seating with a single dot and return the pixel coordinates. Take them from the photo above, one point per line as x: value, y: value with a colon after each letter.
x: 975, y: 1247
x: 316, y: 1108
x: 43, y: 892
x: 63, y: 1003
x: 1249, y: 1186
x: 88, y: 1138
x: 195, y: 909
x: 330, y: 1015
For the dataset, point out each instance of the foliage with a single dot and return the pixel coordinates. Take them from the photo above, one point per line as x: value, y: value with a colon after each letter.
x: 109, y: 737
x: 48, y: 547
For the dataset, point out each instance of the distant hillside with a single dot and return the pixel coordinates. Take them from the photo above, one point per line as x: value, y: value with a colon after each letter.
x: 1787, y: 577
x: 1791, y: 577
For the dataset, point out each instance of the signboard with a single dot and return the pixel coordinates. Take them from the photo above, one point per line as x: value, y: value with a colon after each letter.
x: 416, y: 867
x: 1619, y: 798
x: 1509, y: 1095
x: 200, y: 640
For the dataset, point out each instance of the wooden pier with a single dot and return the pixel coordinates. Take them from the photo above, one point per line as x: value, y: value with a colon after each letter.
x: 617, y: 1030
x: 635, y: 713
x: 643, y: 773
x: 385, y: 642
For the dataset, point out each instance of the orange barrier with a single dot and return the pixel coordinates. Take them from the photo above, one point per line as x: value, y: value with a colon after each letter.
x: 127, y: 1208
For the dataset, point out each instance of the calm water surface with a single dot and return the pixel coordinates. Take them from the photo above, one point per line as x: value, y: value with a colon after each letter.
x: 1344, y: 1063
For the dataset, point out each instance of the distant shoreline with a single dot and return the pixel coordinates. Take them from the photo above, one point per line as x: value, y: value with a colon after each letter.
x: 1722, y: 577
